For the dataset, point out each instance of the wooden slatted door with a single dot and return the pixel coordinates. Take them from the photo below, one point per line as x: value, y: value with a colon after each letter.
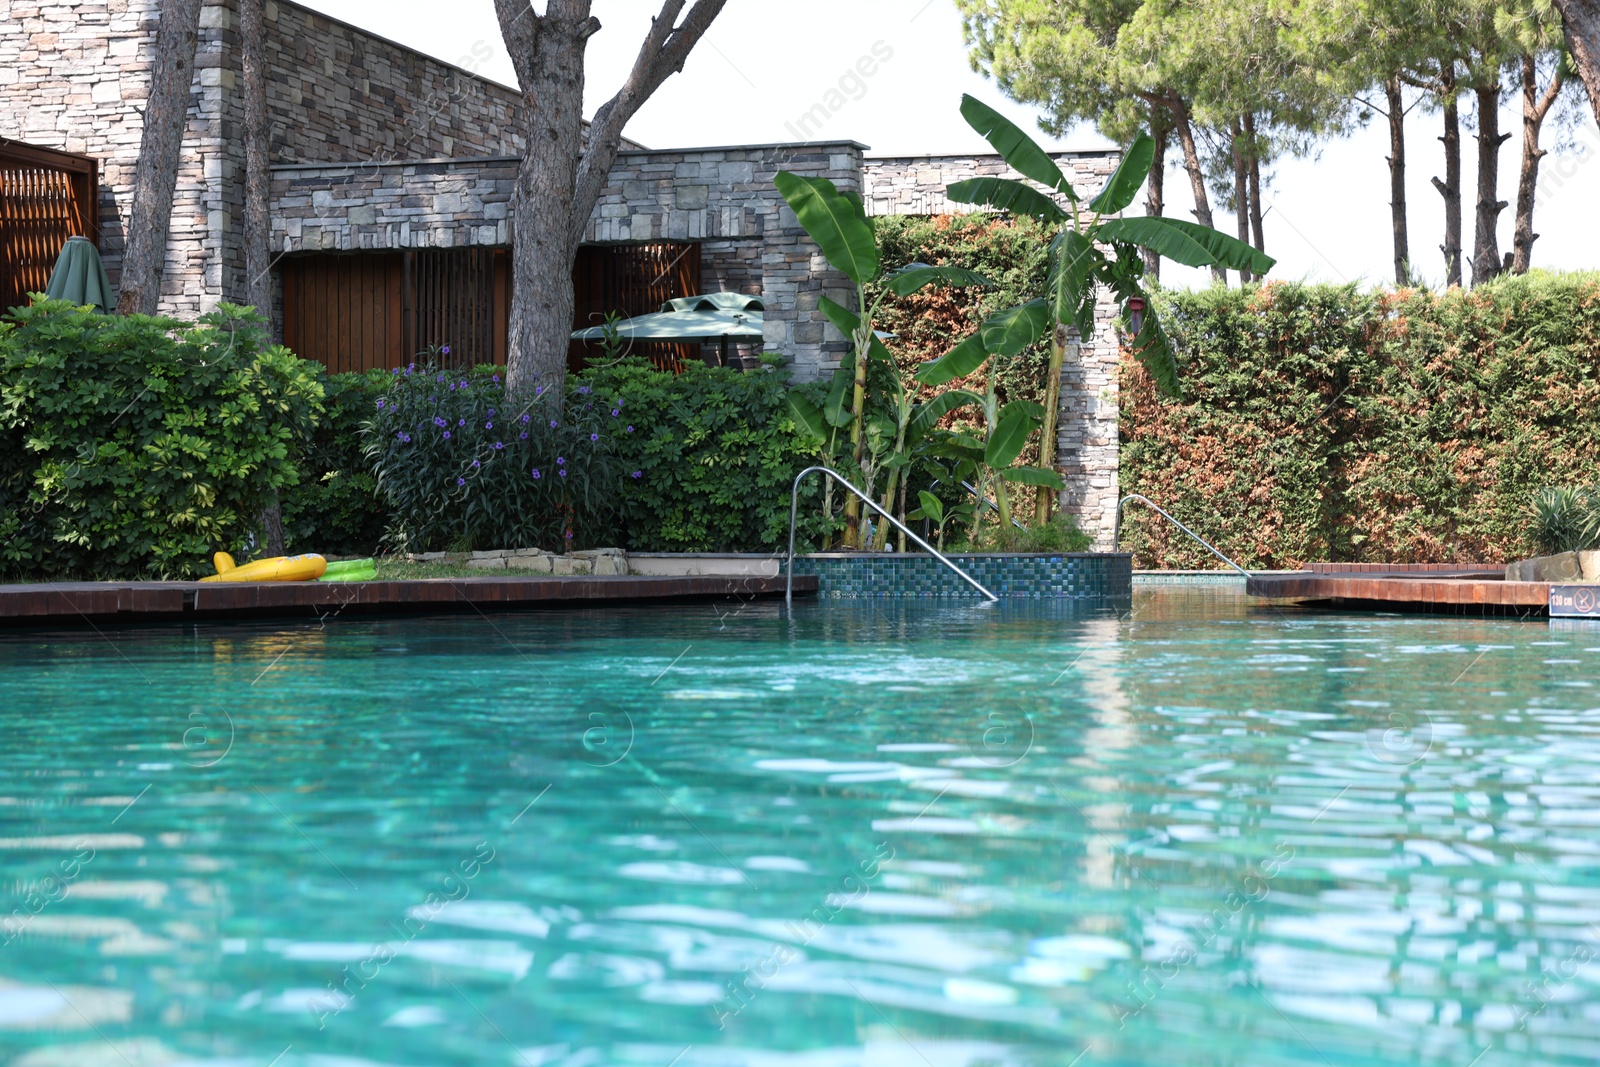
x: 345, y: 311
x: 378, y: 310
x: 45, y: 197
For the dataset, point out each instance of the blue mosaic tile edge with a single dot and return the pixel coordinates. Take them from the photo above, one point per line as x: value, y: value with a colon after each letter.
x: 1044, y: 576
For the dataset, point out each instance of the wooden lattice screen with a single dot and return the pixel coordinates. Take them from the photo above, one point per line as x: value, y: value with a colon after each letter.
x: 45, y: 197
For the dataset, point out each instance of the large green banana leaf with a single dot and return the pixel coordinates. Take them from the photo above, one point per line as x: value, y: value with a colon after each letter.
x: 847, y: 322
x: 914, y: 276
x: 836, y: 222
x: 1005, y: 194
x: 1126, y: 181
x: 1015, y: 146
x: 1017, y: 420
x: 1188, y: 243
x: 927, y: 416
x: 1034, y: 476
x: 1009, y: 332
x: 959, y: 362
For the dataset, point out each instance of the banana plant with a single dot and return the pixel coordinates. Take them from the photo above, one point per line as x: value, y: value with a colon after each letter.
x: 839, y: 225
x: 1005, y: 429
x: 1099, y: 251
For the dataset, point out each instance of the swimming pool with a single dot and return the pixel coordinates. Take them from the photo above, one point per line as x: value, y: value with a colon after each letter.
x: 866, y: 834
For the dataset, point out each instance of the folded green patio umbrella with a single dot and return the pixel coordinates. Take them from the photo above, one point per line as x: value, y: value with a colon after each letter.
x: 80, y: 277
x: 731, y: 318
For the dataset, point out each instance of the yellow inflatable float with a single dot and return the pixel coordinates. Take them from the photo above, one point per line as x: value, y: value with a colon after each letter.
x: 306, y: 568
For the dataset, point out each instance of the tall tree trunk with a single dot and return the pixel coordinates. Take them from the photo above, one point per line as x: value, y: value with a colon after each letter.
x: 156, y: 176
x: 257, y: 223
x: 562, y: 174
x: 1534, y: 110
x: 1154, y: 203
x: 1581, y: 22
x: 257, y: 175
x: 1450, y: 188
x: 1197, y: 174
x: 1397, y: 181
x: 1241, y: 191
x: 1255, y: 180
x: 1485, y: 244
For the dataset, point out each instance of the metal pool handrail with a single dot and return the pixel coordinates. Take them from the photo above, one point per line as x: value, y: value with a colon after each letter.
x: 1116, y: 533
x: 794, y: 511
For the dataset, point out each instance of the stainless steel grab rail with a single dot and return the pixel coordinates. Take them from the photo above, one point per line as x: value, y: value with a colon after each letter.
x: 794, y: 511
x: 1116, y: 532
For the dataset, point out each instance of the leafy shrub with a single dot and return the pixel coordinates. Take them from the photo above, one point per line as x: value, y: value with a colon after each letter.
x: 462, y: 466
x: 335, y: 509
x: 716, y: 452
x: 138, y: 446
x: 1323, y: 423
x: 1566, y: 520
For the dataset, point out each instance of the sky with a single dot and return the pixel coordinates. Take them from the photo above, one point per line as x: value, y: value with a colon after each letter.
x: 763, y: 64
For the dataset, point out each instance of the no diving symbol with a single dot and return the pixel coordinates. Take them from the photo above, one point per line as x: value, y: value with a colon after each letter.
x: 1584, y: 601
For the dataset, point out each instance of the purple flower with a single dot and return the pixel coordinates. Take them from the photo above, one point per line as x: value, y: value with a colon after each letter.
x: 400, y: 436
x: 437, y: 421
x: 638, y: 474
x: 461, y: 481
x: 594, y: 437
x: 523, y: 436
x: 561, y: 461
x: 488, y: 426
x: 440, y: 378
x: 497, y: 379
x: 615, y: 412
x: 524, y: 419
x: 536, y: 474
x: 445, y: 350
x: 380, y: 405
x: 491, y: 413
x: 584, y: 390
x: 447, y: 435
x: 475, y: 464
x: 497, y: 446
x: 538, y: 390
x: 463, y: 422
x: 395, y: 371
x: 630, y: 429
x: 452, y: 386
x: 411, y: 368
x: 552, y: 424
x: 562, y: 473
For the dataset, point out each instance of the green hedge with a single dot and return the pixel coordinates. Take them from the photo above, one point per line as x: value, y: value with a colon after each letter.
x: 335, y: 508
x: 139, y: 446
x: 716, y: 452
x: 1323, y: 423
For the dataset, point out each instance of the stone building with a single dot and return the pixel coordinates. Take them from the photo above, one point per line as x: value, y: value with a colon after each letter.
x: 392, y: 177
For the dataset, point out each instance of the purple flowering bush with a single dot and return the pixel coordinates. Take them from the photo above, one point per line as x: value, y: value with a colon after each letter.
x: 461, y: 465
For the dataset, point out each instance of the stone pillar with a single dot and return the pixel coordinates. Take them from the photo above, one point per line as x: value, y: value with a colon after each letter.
x: 1087, y: 443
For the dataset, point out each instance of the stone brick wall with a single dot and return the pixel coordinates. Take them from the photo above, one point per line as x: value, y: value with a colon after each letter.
x: 1088, y: 443
x: 339, y: 94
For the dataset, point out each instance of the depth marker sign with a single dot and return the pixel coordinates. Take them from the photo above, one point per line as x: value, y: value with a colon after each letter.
x: 1575, y: 601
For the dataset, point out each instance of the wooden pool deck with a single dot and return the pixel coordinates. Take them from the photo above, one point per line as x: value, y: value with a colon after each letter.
x: 67, y: 603
x: 1431, y: 587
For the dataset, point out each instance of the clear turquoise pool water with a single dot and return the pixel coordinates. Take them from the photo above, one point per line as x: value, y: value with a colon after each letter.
x: 866, y: 835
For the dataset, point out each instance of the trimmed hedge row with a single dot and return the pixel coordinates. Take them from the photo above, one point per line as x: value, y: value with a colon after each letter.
x: 1323, y: 423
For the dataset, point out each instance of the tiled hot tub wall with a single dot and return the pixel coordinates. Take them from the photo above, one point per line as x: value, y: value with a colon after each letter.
x: 1045, y: 576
